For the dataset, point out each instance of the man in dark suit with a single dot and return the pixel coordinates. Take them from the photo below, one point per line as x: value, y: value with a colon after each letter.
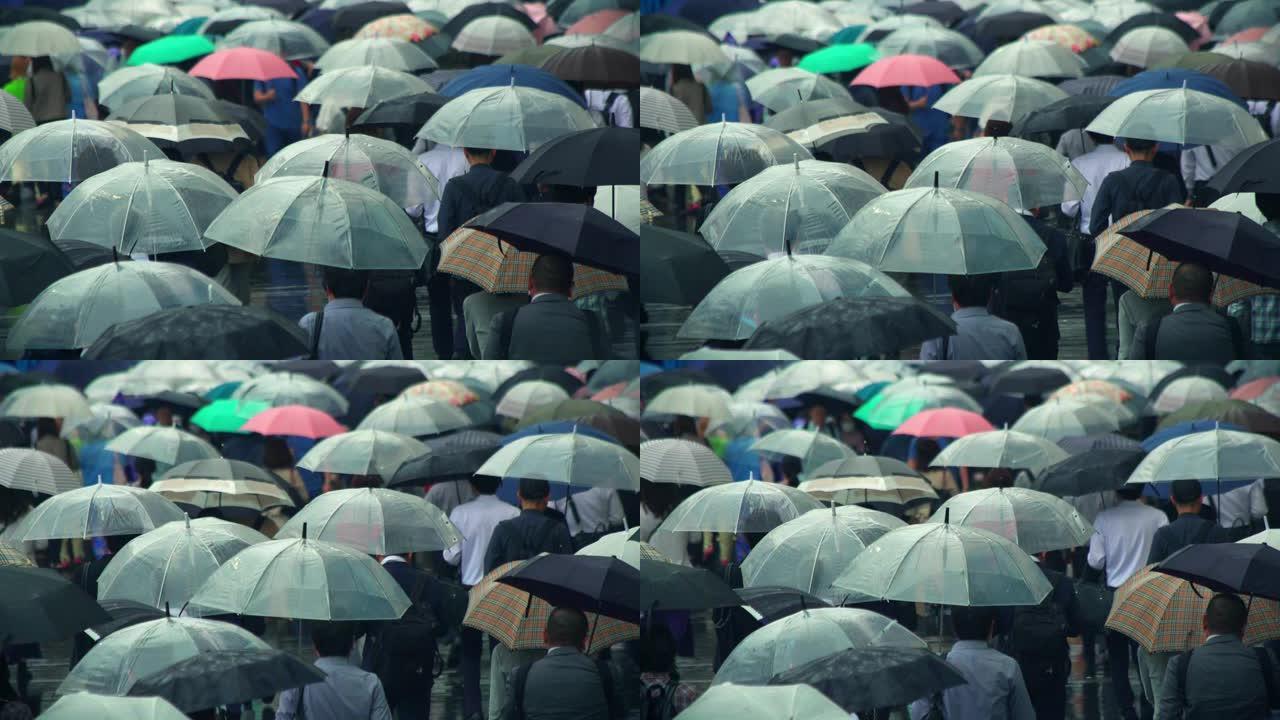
x: 1194, y: 333
x: 565, y: 684
x: 550, y: 329
x: 531, y: 532
x: 1189, y: 528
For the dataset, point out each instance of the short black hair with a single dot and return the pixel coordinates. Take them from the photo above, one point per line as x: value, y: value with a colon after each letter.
x: 972, y: 623
x: 1268, y: 204
x: 345, y: 283
x: 657, y: 649
x: 478, y: 151
x: 534, y: 488
x: 552, y: 273
x: 1129, y: 492
x: 1139, y: 144
x: 485, y: 484
x: 567, y: 626
x: 1185, y: 492
x: 569, y: 194
x: 791, y: 466
x: 970, y: 290
x: 1100, y: 139
x: 1226, y: 615
x: 997, y: 128
x: 1192, y: 282
x: 332, y: 639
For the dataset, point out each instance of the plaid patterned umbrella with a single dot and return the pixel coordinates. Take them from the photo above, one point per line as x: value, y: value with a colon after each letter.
x: 1068, y: 36
x: 399, y: 27
x: 1149, y: 273
x: 450, y: 391
x: 497, y: 267
x: 1164, y: 613
x: 517, y: 618
x: 10, y: 555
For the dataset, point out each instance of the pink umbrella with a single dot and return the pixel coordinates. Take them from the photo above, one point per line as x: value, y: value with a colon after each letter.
x: 544, y: 24
x: 1254, y: 388
x: 1200, y: 24
x: 242, y: 63
x: 944, y: 422
x: 1253, y: 34
x: 295, y: 420
x: 597, y: 22
x: 910, y: 70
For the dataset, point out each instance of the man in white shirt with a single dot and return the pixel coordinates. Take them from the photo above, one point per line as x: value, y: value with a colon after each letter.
x: 1199, y: 164
x: 1120, y: 546
x: 445, y: 163
x: 596, y: 510
x: 475, y: 520
x: 612, y: 105
x: 1095, y: 166
x: 1239, y: 508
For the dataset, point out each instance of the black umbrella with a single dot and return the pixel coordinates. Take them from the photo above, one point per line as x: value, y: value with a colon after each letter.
x: 1029, y: 381
x: 1249, y: 79
x: 175, y: 111
x: 185, y: 402
x: 581, y: 232
x: 30, y: 13
x: 811, y: 112
x: 1252, y: 170
x: 203, y: 332
x: 670, y: 586
x: 410, y: 111
x: 137, y: 33
x: 866, y: 678
x: 40, y: 605
x: 548, y: 373
x: 485, y: 9
x: 454, y: 456
x: 1228, y: 567
x: 773, y: 602
x: 346, y: 21
x: 387, y: 381
x: 586, y: 158
x: 945, y: 12
x: 1007, y: 27
x: 221, y: 677
x: 598, y: 584
x: 1168, y: 21
x: 677, y: 268
x: 1227, y: 243
x: 288, y: 8
x: 703, y: 12
x: 896, y: 139
x: 1091, y: 85
x: 594, y: 66
x: 1090, y: 472
x: 658, y: 22
x: 854, y: 327
x: 251, y: 121
x: 1069, y: 113
x: 28, y: 265
x: 795, y: 43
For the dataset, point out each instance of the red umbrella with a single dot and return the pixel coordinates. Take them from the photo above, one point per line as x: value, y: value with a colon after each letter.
x: 295, y: 420
x: 945, y: 422
x: 597, y: 22
x: 911, y: 70
x: 242, y: 63
x: 1254, y: 388
x: 1253, y: 34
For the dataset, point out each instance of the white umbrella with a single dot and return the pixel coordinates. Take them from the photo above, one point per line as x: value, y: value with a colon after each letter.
x: 567, y: 458
x: 162, y: 444
x: 690, y: 401
x: 1211, y: 455
x: 362, y: 452
x: 375, y: 521
x: 681, y: 462
x: 1001, y: 449
x: 36, y: 471
x: 1036, y: 521
x: 51, y: 401
x: 95, y: 511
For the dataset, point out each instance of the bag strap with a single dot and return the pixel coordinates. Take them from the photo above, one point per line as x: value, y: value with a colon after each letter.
x: 314, y: 353
x: 573, y: 508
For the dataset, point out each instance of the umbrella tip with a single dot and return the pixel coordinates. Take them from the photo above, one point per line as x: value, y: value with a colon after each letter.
x: 166, y: 609
x: 935, y: 179
x: 304, y: 531
x: 946, y: 517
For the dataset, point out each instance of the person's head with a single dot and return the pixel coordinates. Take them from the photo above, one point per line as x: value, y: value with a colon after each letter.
x: 569, y: 194
x: 533, y: 493
x: 43, y: 62
x: 1139, y: 148
x: 1268, y: 204
x: 566, y: 627
x: 818, y: 414
x: 485, y: 484
x: 332, y: 639
x: 345, y: 283
x: 926, y: 450
x: 1099, y: 139
x: 19, y: 66
x: 973, y: 623
x: 791, y: 469
x: 1191, y: 283
x: 997, y: 128
x: 46, y: 426
x: 551, y: 274
x: 969, y: 290
x: 1186, y: 496
x: 998, y: 478
x: 163, y: 414
x: 1129, y: 492
x: 657, y: 650
x: 276, y: 452
x: 479, y: 156
x: 1226, y: 615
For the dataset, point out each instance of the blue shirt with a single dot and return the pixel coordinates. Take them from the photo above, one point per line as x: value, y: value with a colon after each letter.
x: 993, y: 688
x: 933, y: 124
x: 351, y: 331
x: 347, y: 693
x: 283, y: 112
x: 979, y: 336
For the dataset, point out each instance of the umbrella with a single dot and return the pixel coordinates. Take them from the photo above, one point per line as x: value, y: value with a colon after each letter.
x: 505, y: 118
x: 893, y: 406
x: 453, y: 456
x: 181, y: 122
x: 997, y: 97
x: 493, y: 35
x: 801, y: 205
x: 362, y: 452
x: 916, y: 231
x: 243, y: 63
x: 1228, y: 567
x: 871, y: 677
x: 1023, y: 174
x: 450, y: 391
x: 571, y: 229
x: 678, y: 268
x: 1248, y: 171
x: 783, y: 702
x: 948, y: 46
x: 361, y: 86
x: 497, y: 267
x: 201, y: 492
x: 771, y: 289
x: 104, y: 422
x: 854, y: 328
x: 325, y: 221
x: 28, y: 264
x: 662, y: 112
x: 225, y: 415
x: 1148, y: 46
x: 567, y: 458
x: 689, y: 400
x: 839, y: 58
x: 377, y: 164
x: 388, y: 53
x: 375, y: 521
x: 1006, y: 27
x: 1247, y: 78
x: 1240, y: 16
x: 294, y: 420
x: 1181, y: 116
x: 38, y: 37
x: 95, y: 511
x: 811, y: 447
x: 623, y: 546
x: 202, y: 332
x: 1032, y: 58
x: 769, y: 604
x: 45, y: 400
x: 749, y: 506
x: 906, y: 70
x: 226, y: 676
x: 280, y: 389
x: 407, y: 111
x: 35, y: 471
x: 105, y: 707
x: 523, y: 397
x: 1001, y: 449
x: 1226, y: 412
x: 40, y: 605
x: 415, y: 416
x: 14, y: 117
x: 716, y: 154
x: 501, y: 76
x: 946, y: 422
x: 807, y: 553
x: 1036, y: 521
x: 811, y: 112
x: 289, y: 40
x: 1174, y: 79
x: 783, y: 88
x: 1030, y: 379
x: 476, y: 10
x: 402, y: 26
x: 1062, y: 418
x: 171, y: 50
x: 1211, y: 455
x: 681, y: 462
x: 1180, y: 235
x: 151, y: 207
x: 1099, y: 470
x: 224, y: 21
x: 682, y: 47
x: 1071, y: 112
x: 71, y: 150
x: 587, y: 158
x: 1165, y: 20
x: 162, y: 444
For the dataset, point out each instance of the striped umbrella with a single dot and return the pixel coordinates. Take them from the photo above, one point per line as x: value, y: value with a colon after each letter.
x: 663, y: 112
x: 37, y: 471
x: 1163, y: 613
x: 14, y: 116
x: 10, y: 555
x: 681, y: 462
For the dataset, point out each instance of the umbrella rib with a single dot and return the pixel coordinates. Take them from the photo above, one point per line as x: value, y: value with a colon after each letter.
x: 185, y: 208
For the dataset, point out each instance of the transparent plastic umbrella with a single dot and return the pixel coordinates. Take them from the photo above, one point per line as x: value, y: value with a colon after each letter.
x: 681, y: 462
x: 939, y: 230
x: 71, y: 151
x: 1062, y: 418
x: 681, y: 47
x: 808, y: 553
x: 377, y: 164
x: 389, y: 53
x: 808, y: 635
x: 810, y: 375
x: 509, y: 117
x: 285, y: 388
x: 131, y: 83
x: 289, y: 40
x: 949, y: 46
x: 1035, y: 521
x: 781, y: 88
x: 689, y: 400
x: 1180, y: 116
x: 104, y: 422
x: 95, y: 511
x: 1149, y: 46
x: 662, y: 112
x: 894, y: 23
x: 376, y: 521
x: 52, y: 400
x: 493, y: 35
x: 746, y: 506
x: 154, y: 206
x: 166, y: 445
x: 998, y: 97
x: 1187, y: 390
x: 415, y: 416
x: 801, y: 205
x: 121, y: 658
x: 105, y: 707
x: 946, y: 564
x: 36, y: 472
x: 771, y: 289
x: 1032, y: 58
x: 1019, y: 173
x: 1211, y: 455
x: 775, y: 702
x: 811, y: 447
x: 324, y: 221
x: 861, y: 490
x: 359, y: 87
x: 567, y: 458
x: 362, y: 452
x: 625, y: 547
x: 36, y: 38
x: 74, y: 311
x: 718, y: 154
x: 1001, y: 449
x: 165, y: 566
x: 525, y: 396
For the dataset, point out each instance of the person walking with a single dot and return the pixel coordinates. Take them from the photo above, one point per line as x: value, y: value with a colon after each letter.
x: 531, y: 532
x: 1036, y: 637
x: 565, y: 684
x: 993, y: 688
x: 285, y: 118
x: 347, y: 692
x: 344, y: 329
x: 402, y: 653
x: 1194, y: 333
x: 1189, y: 528
x: 550, y: 329
x: 979, y: 334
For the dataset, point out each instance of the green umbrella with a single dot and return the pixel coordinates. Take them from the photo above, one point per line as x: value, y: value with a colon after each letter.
x: 171, y: 50
x: 747, y: 506
x: 952, y: 48
x: 362, y: 452
x: 1001, y: 449
x: 415, y: 416
x: 839, y: 58
x: 888, y: 410
x: 1211, y: 455
x: 226, y: 416
x: 998, y: 97
x: 775, y: 702
x: 104, y: 707
x: 1034, y: 59
x: 1020, y: 173
x: 811, y: 447
x: 376, y: 521
x: 567, y: 458
x: 95, y: 511
x: 716, y: 154
x: 781, y: 88
x: 509, y: 117
x: 1180, y: 116
x: 166, y: 445
x: 1035, y: 521
x: 285, y: 388
x: 1061, y: 418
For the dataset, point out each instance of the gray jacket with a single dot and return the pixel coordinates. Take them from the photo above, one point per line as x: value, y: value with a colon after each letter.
x: 564, y: 685
x: 1224, y: 680
x: 1193, y: 333
x: 550, y: 329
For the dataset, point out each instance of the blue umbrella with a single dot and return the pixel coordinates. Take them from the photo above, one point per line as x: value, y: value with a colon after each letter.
x: 502, y: 75
x: 1175, y: 78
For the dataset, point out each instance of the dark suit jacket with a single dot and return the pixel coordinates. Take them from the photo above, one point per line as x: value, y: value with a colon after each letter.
x: 1193, y: 333
x: 479, y: 189
x: 551, y: 330
x: 1224, y: 680
x: 524, y: 536
x: 1141, y: 186
x: 564, y: 685
x: 1184, y: 531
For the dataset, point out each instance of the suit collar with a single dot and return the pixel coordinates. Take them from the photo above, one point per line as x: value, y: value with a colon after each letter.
x: 549, y: 297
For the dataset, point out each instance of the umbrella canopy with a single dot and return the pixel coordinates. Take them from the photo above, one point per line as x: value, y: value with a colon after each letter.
x: 906, y: 70
x: 388, y: 53
x: 38, y: 37
x: 872, y: 677
x: 567, y: 458
x: 1182, y: 235
x: 664, y: 113
x: 1211, y: 455
x: 498, y: 267
x: 854, y: 328
x: 1228, y: 412
x: 681, y: 47
x: 1228, y: 567
x: 500, y: 75
x: 493, y: 35
x: 227, y: 676
x: 1247, y: 78
x: 783, y: 88
x: 51, y: 400
x: 171, y: 50
x: 187, y: 124
x: 569, y: 229
x: 839, y: 58
x: 811, y: 447
x: 1032, y: 58
x: 944, y: 422
x: 508, y: 117
x: 678, y: 268
x: 623, y: 546
x: 950, y: 47
x: 362, y: 452
x: 1069, y: 113
x: 71, y: 151
x: 1022, y: 174
x: 403, y: 26
x: 285, y: 388
x: 749, y: 506
x: 893, y: 406
x: 745, y: 702
x: 225, y: 415
x: 289, y: 40
x: 81, y: 704
x: 718, y: 154
x: 998, y: 97
x: 1249, y: 170
x: 1036, y: 521
x: 681, y: 462
x: 202, y: 332
x: 104, y: 422
x: 1148, y: 46
x: 376, y: 521
x: 29, y: 264
x: 243, y: 63
x: 131, y: 83
x: 361, y: 86
x: 35, y: 471
x: 1181, y: 116
x: 1099, y: 470
x: 689, y: 400
x: 410, y: 111
x: 1001, y: 449
x: 415, y: 416
x: 295, y: 420
x: 41, y: 605
x: 1184, y: 390
x: 377, y: 164
x: 162, y: 444
x: 1063, y: 418
x: 588, y: 158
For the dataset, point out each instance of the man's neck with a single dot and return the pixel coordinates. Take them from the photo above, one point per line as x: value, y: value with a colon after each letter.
x: 539, y: 506
x: 1193, y: 512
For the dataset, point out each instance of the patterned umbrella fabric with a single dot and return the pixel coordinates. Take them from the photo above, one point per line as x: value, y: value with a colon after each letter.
x: 497, y: 267
x: 1163, y: 613
x: 35, y: 471
x: 399, y: 27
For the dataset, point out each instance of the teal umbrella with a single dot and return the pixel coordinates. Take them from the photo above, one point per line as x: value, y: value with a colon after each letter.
x: 839, y: 58
x: 227, y: 415
x: 171, y: 50
x: 1020, y: 173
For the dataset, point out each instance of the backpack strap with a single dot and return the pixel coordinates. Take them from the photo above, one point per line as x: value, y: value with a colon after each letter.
x: 314, y: 352
x: 1152, y: 334
x: 504, y: 333
x: 606, y: 682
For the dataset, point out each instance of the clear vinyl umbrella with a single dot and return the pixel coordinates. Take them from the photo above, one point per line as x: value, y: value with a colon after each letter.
x: 106, y: 707
x: 95, y: 511
x: 811, y: 375
x: 52, y: 400
x: 360, y: 87
x: 1035, y: 521
x: 525, y: 396
x: 72, y: 312
x: 37, y: 38
x: 1020, y: 173
x: 165, y: 566
x: 681, y: 462
x: 758, y: 702
x: 747, y: 506
x: 689, y: 400
x: 138, y: 81
x: 939, y: 230
x: 681, y: 47
x: 510, y: 117
x: 376, y: 521
x: 362, y: 452
x: 118, y: 660
x: 71, y: 151
x: 851, y: 490
x: 379, y: 165
x: 1149, y: 46
x: 286, y: 388
x: 162, y: 444
x: 801, y: 205
x: 1032, y: 58
x: 771, y: 289
x: 1001, y: 449
x: 718, y: 154
x: 154, y: 206
x: 1211, y: 455
x: 289, y: 40
x: 389, y: 53
x: 998, y: 97
x: 952, y: 48
x: 35, y: 471
x: 625, y: 547
x: 1054, y: 420
x: 811, y: 447
x: 493, y: 36
x: 781, y: 88
x: 415, y: 416
x: 567, y: 458
x: 320, y: 220
x: 104, y: 422
x: 1180, y: 116
x: 1184, y: 391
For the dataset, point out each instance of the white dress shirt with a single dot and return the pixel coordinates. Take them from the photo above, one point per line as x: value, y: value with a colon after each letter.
x: 476, y: 520
x: 598, y: 509
x: 1122, y: 539
x: 1239, y: 506
x: 445, y: 163
x: 1095, y: 166
x: 619, y: 111
x: 1200, y: 163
